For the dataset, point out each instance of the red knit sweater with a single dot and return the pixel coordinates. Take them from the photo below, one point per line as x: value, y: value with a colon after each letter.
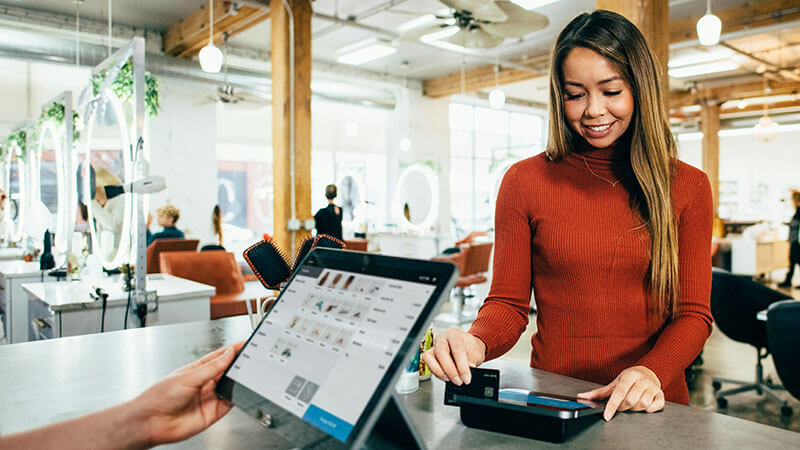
x: 564, y: 231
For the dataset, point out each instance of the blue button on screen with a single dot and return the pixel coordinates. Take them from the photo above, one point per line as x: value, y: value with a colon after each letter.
x: 328, y: 423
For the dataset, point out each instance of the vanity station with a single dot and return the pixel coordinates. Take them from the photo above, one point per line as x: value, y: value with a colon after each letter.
x: 407, y: 246
x: 11, y: 254
x: 13, y: 300
x: 115, y: 367
x: 66, y: 309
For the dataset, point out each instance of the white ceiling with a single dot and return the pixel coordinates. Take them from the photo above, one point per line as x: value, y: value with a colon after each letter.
x: 414, y: 60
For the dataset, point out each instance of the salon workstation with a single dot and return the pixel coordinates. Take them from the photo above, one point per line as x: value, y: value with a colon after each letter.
x: 399, y: 224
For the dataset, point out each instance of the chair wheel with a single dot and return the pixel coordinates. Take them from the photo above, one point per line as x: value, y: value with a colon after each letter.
x: 786, y: 411
x: 716, y: 385
x: 722, y: 403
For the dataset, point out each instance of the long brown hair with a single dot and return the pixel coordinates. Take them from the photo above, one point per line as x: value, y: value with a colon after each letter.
x: 652, y: 150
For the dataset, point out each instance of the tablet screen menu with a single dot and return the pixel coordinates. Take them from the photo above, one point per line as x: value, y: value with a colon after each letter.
x: 328, y: 342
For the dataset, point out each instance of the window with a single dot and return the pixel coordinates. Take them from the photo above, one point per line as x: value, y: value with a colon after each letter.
x: 484, y: 143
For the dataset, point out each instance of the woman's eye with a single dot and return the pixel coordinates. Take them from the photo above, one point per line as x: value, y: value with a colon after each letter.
x: 574, y: 96
x: 610, y: 93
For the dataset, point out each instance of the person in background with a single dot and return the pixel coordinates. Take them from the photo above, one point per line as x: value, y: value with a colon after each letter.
x: 174, y: 409
x: 328, y: 220
x: 3, y: 222
x: 794, y: 245
x: 610, y: 229
x: 216, y: 222
x: 168, y: 216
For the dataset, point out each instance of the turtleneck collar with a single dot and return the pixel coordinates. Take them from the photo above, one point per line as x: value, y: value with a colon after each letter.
x: 600, y: 159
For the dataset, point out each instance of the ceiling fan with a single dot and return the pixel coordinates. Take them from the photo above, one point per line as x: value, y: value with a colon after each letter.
x: 478, y: 23
x: 227, y: 94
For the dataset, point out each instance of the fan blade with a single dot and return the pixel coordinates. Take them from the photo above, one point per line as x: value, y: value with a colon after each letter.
x: 520, y: 21
x: 479, y: 9
x: 475, y: 38
x: 416, y: 33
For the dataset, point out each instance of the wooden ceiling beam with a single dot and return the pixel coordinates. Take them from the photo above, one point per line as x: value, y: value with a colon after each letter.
x: 484, y: 77
x: 185, y: 38
x: 750, y: 15
x: 733, y: 92
x: 736, y: 110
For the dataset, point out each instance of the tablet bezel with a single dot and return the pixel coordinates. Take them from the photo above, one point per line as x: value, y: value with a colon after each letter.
x: 375, y: 265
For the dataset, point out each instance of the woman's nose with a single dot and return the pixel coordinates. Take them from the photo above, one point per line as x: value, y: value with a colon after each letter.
x: 595, y: 107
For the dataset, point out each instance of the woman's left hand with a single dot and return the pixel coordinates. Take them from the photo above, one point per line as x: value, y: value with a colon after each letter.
x: 636, y: 388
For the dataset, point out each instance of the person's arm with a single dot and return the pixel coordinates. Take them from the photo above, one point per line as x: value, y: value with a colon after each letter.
x: 640, y: 388
x: 504, y: 314
x: 174, y: 409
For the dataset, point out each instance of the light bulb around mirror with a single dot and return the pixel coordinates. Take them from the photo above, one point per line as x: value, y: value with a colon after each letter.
x: 709, y: 28
x: 497, y: 99
x: 211, y: 58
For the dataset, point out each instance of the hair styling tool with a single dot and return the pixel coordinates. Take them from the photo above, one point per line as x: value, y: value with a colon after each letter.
x: 268, y: 263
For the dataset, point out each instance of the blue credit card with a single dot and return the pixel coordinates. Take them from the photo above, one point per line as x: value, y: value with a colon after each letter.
x: 523, y: 397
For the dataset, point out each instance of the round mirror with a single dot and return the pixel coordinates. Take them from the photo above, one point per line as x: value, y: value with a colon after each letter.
x: 416, y: 200
x: 350, y: 195
x: 107, y: 161
x: 14, y: 211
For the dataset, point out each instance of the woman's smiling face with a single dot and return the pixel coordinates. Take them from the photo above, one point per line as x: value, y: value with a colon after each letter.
x: 598, y: 102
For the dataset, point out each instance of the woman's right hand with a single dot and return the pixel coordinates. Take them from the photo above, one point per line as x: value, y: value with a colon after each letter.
x: 452, y: 355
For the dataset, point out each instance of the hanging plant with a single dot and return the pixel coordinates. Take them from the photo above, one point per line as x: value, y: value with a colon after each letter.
x: 18, y: 139
x: 122, y: 86
x: 55, y: 112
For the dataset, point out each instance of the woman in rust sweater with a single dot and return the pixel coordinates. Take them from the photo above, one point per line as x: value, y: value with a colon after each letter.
x: 608, y: 227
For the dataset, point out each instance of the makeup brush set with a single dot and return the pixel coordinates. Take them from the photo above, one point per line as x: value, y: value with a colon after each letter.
x: 271, y: 265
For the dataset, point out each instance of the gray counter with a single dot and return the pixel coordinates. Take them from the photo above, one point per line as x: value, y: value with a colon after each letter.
x: 43, y: 382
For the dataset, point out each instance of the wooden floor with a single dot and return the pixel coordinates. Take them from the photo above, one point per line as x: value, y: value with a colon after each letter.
x: 722, y: 357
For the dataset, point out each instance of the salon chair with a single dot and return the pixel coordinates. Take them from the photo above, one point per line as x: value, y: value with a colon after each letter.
x: 783, y: 320
x: 216, y: 268
x: 735, y: 303
x: 472, y: 261
x: 357, y: 244
x: 167, y: 245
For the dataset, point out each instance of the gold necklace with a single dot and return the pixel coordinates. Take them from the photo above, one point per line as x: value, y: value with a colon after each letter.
x: 612, y: 183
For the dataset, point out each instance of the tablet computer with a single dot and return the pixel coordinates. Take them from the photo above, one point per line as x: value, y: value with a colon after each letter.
x: 321, y: 365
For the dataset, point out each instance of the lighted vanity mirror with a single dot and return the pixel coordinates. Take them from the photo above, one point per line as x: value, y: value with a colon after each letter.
x: 416, y: 200
x: 350, y: 195
x: 106, y: 160
x: 47, y: 189
x: 14, y: 212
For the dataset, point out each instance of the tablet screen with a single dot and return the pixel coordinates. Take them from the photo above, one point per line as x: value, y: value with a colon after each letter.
x: 328, y: 342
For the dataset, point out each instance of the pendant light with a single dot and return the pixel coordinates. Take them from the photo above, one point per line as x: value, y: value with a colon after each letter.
x: 709, y: 27
x: 211, y: 55
x: 497, y: 98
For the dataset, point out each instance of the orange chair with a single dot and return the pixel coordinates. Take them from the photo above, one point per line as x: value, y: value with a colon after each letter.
x: 167, y: 245
x: 473, y: 263
x: 358, y: 244
x: 216, y: 268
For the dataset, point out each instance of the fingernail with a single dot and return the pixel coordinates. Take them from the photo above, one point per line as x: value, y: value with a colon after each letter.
x: 606, y: 417
x: 457, y: 380
x: 467, y: 378
x: 446, y: 378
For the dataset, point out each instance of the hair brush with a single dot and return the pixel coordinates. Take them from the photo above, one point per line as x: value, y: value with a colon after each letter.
x: 325, y: 241
x: 302, y: 251
x: 269, y: 263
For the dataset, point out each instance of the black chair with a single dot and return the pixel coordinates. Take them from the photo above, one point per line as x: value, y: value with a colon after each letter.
x: 783, y: 320
x: 735, y: 303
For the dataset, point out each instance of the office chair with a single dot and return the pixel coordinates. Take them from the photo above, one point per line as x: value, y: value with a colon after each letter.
x: 735, y: 302
x: 783, y: 319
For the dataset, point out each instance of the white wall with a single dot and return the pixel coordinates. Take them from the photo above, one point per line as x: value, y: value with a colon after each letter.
x: 754, y: 175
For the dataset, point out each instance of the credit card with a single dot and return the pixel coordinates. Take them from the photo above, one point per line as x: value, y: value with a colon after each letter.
x: 485, y: 384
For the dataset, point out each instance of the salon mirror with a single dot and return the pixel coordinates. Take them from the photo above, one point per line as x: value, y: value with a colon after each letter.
x: 350, y: 196
x: 416, y: 200
x: 106, y: 161
x: 44, y: 184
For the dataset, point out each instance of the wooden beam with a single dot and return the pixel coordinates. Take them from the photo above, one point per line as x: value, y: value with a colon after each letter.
x: 281, y: 119
x: 475, y: 79
x: 190, y: 34
x: 749, y: 15
x: 732, y: 92
x: 709, y: 125
x: 728, y: 110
